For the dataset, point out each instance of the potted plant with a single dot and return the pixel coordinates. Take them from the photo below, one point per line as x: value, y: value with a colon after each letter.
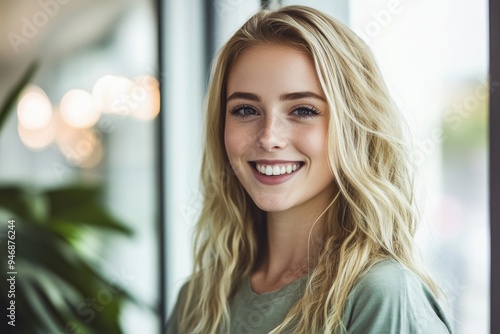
x: 52, y: 286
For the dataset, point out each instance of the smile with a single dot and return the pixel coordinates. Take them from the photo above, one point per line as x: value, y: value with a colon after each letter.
x: 276, y: 169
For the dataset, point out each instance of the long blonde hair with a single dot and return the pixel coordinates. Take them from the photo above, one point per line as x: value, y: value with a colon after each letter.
x: 374, y: 216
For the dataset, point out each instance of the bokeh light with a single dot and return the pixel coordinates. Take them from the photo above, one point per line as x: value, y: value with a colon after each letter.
x: 94, y: 158
x: 113, y: 94
x: 34, y: 110
x: 79, y: 109
x: 37, y: 139
x: 81, y: 147
x: 145, y: 98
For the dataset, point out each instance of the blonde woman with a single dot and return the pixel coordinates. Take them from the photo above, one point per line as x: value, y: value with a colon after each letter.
x: 308, y: 216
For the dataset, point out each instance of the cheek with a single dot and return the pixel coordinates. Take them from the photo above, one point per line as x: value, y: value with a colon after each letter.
x: 236, y: 142
x: 313, y: 143
x: 237, y: 147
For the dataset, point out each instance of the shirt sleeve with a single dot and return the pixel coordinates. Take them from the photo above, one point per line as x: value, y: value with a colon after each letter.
x: 391, y: 299
x: 172, y: 326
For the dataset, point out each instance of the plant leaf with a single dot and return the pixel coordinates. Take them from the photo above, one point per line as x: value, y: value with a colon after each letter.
x: 13, y: 199
x: 80, y: 205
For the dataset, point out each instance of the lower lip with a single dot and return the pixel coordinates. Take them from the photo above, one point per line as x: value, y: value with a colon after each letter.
x: 273, y: 180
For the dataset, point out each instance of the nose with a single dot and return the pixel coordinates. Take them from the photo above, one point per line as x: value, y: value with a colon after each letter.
x: 271, y: 136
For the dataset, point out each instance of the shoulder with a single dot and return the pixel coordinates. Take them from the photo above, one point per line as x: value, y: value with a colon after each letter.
x: 175, y: 317
x: 386, y: 278
x: 390, y: 298
x: 386, y: 286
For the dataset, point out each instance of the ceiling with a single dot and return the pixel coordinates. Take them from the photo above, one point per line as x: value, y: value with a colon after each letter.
x: 50, y: 30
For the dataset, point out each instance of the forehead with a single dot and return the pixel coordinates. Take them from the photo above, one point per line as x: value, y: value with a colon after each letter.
x: 271, y: 68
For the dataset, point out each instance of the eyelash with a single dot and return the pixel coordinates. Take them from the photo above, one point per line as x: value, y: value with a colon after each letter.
x: 312, y: 112
x: 235, y: 111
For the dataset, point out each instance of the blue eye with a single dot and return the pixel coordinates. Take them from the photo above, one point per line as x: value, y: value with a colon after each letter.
x: 305, y: 112
x: 243, y: 111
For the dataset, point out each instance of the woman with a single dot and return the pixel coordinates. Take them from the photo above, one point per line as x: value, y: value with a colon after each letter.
x: 308, y: 217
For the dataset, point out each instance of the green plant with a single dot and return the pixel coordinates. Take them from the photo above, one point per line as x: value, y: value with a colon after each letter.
x: 58, y: 287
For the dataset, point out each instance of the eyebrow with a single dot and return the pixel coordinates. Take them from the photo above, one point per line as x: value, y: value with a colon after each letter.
x: 283, y: 97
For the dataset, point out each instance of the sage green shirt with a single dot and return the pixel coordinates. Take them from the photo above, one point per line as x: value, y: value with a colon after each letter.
x: 387, y: 299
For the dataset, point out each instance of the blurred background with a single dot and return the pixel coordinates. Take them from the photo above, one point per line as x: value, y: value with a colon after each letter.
x: 78, y: 165
x: 89, y: 169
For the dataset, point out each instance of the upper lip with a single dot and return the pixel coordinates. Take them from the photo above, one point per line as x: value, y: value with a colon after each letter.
x: 273, y: 162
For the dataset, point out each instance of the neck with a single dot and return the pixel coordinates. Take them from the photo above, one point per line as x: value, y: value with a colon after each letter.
x: 292, y: 248
x: 292, y: 241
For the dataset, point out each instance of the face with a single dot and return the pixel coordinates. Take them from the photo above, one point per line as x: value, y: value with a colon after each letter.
x: 276, y: 129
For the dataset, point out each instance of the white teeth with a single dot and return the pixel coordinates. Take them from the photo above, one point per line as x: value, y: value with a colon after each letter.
x: 276, y: 170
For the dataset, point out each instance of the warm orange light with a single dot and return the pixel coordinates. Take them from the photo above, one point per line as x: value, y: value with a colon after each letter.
x: 112, y: 93
x: 37, y: 139
x: 81, y: 147
x: 34, y: 110
x: 79, y: 109
x: 94, y: 158
x: 145, y: 98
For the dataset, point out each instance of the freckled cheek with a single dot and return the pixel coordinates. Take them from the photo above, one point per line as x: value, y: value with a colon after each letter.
x: 237, y: 143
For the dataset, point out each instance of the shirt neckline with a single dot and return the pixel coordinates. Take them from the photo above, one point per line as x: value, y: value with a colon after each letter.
x: 281, y: 292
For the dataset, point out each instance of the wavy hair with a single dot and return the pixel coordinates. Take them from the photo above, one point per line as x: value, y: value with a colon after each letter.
x: 373, y: 217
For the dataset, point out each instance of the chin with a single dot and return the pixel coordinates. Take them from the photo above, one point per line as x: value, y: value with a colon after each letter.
x: 271, y: 205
